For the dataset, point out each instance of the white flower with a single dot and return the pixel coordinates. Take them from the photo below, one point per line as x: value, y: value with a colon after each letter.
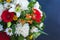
x: 9, y: 31
x: 25, y: 30
x: 1, y: 10
x: 1, y: 27
x: 37, y: 5
x: 18, y: 29
x: 22, y: 3
x: 13, y: 9
x: 22, y: 29
x: 34, y: 29
x: 41, y: 25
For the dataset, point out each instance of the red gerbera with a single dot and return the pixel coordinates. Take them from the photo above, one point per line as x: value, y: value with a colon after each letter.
x: 7, y: 16
x: 36, y: 15
x: 4, y: 36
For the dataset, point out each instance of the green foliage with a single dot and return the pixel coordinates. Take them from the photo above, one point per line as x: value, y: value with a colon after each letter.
x: 43, y: 32
x: 20, y: 37
x: 12, y: 38
x: 43, y: 18
x: 36, y: 34
x: 2, y: 1
x: 31, y: 4
x: 22, y: 16
x: 9, y: 24
x: 33, y: 0
x: 13, y: 28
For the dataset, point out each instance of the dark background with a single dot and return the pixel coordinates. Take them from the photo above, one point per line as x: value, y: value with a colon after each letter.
x: 52, y: 21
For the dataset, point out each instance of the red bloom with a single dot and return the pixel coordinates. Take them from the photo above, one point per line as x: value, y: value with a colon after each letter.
x: 36, y: 15
x: 4, y: 36
x: 7, y: 16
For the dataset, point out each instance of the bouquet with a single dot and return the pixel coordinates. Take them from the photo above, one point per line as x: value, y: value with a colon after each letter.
x: 21, y: 20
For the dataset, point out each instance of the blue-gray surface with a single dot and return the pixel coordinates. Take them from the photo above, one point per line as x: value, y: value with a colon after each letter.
x: 52, y: 21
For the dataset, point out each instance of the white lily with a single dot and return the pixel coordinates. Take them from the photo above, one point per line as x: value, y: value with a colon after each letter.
x: 12, y: 9
x: 22, y: 3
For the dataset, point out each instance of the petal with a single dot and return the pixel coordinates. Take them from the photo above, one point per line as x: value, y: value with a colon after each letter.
x: 18, y: 14
x: 25, y: 30
x: 1, y: 9
x: 37, y: 5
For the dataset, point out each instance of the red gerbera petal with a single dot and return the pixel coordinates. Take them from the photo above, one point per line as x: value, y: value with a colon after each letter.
x: 4, y: 36
x: 7, y: 16
x: 37, y: 16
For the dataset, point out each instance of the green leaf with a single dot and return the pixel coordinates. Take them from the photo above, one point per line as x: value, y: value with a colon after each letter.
x: 8, y: 24
x: 43, y: 32
x: 22, y: 16
x: 13, y: 28
x: 35, y: 23
x: 36, y: 34
x: 12, y: 38
x: 20, y: 37
x: 41, y: 26
x: 43, y: 18
x: 33, y: 0
x: 31, y: 4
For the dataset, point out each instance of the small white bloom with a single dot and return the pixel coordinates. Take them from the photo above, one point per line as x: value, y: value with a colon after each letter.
x: 1, y: 27
x: 37, y: 5
x: 34, y: 29
x: 9, y: 31
x: 41, y: 25
x: 22, y: 29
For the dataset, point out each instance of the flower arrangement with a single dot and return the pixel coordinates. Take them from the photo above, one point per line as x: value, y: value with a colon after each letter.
x: 21, y: 20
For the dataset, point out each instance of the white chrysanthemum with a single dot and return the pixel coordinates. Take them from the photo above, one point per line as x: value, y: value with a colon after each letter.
x: 22, y: 3
x: 22, y: 29
x: 1, y: 27
x: 34, y: 29
x: 41, y: 25
x: 37, y: 5
x: 25, y: 30
x: 18, y: 29
x: 9, y: 31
